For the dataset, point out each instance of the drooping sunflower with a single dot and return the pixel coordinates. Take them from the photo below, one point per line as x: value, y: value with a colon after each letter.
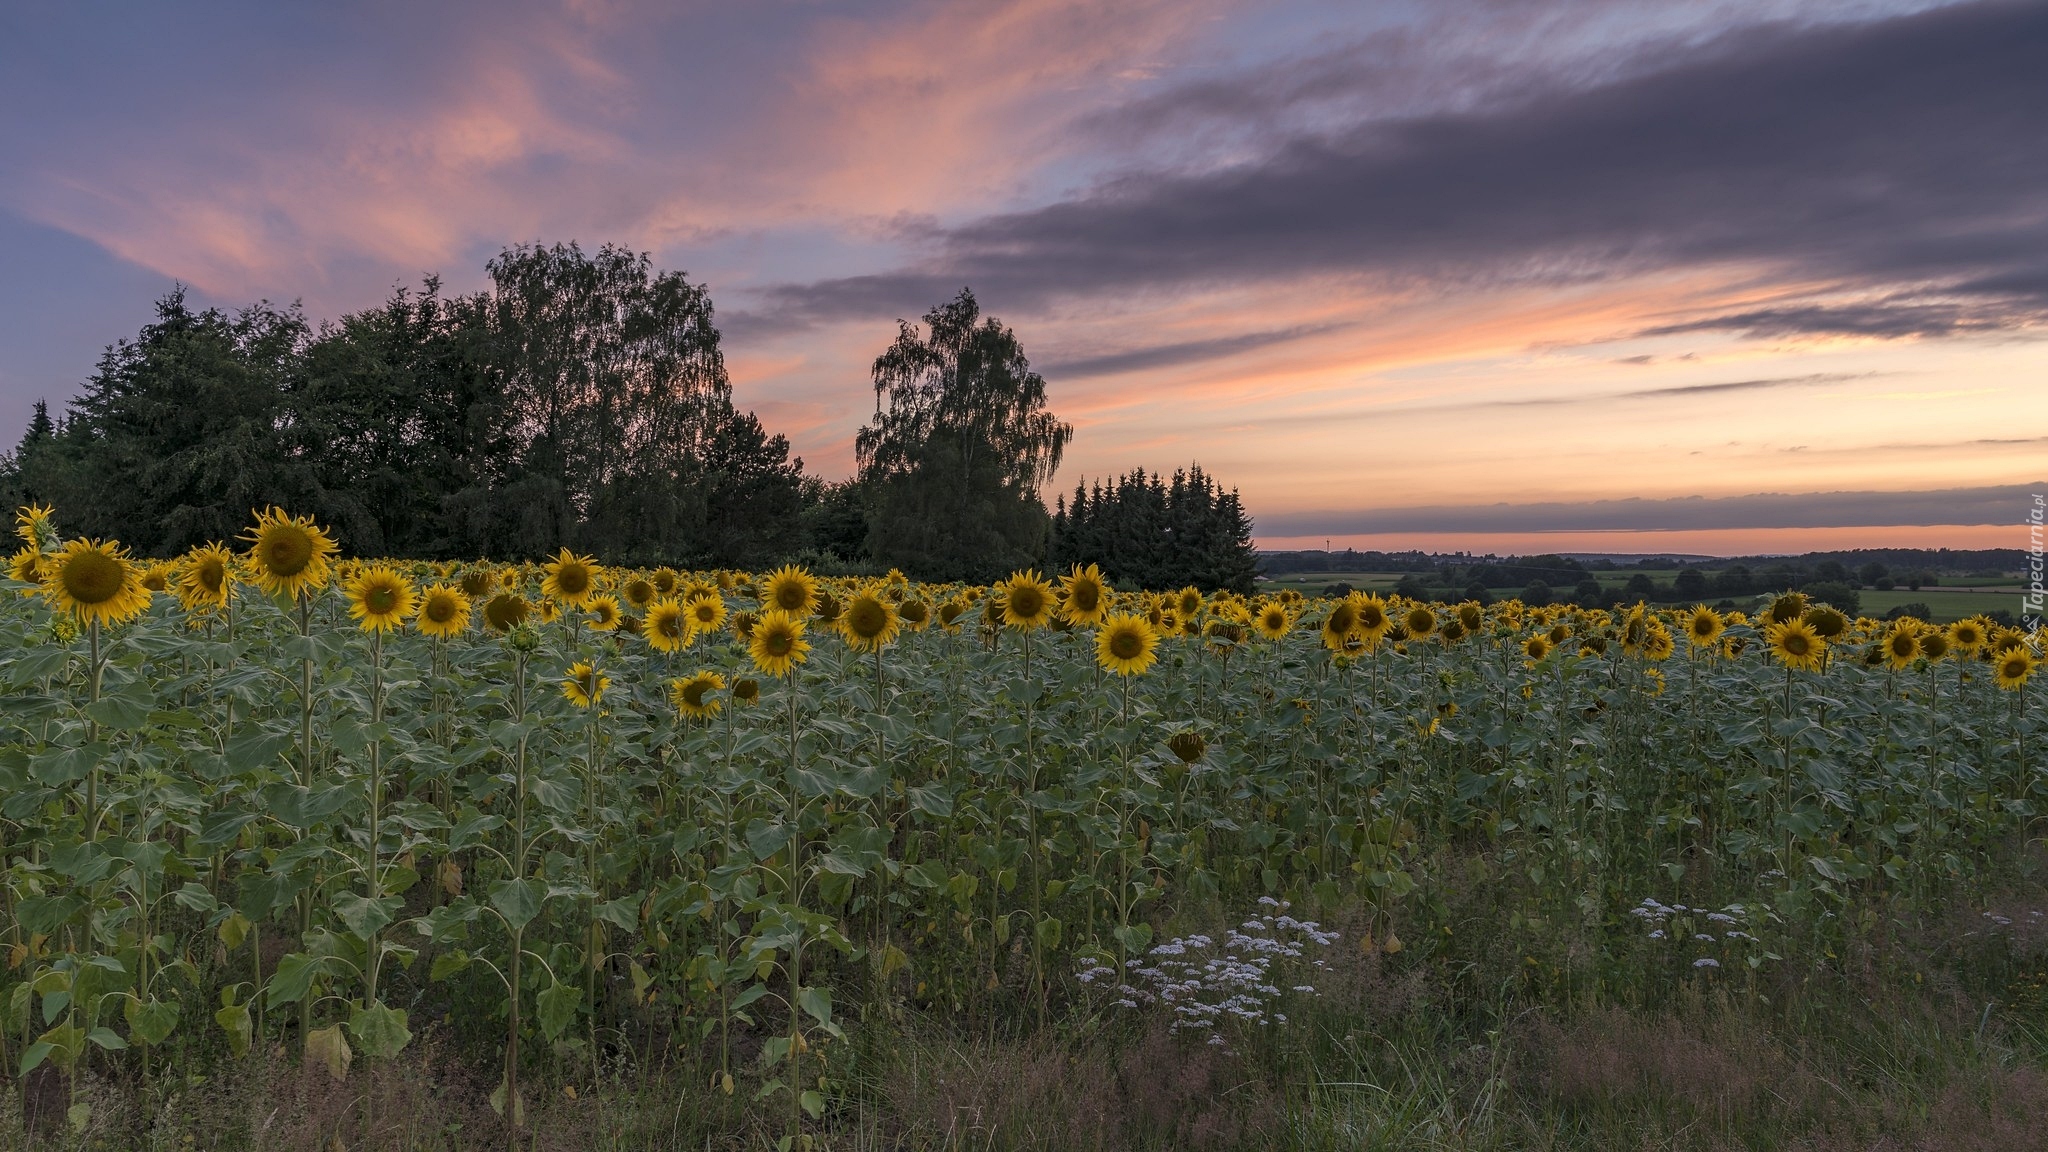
x: 706, y: 612
x: 1027, y: 602
x: 639, y: 592
x: 1084, y: 596
x: 746, y: 690
x: 1789, y: 606
x: 585, y: 685
x: 791, y: 590
x: 379, y: 598
x: 950, y: 613
x: 1901, y: 646
x: 668, y: 626
x: 443, y: 612
x: 93, y: 582
x: 1273, y: 622
x: 289, y: 553
x: 914, y: 613
x: 476, y: 583
x: 778, y: 645
x: 204, y: 577
x: 1340, y: 624
x: 1795, y: 644
x: 2012, y: 668
x: 693, y: 696
x: 604, y: 612
x: 1703, y: 627
x: 742, y: 623
x: 828, y: 609
x: 506, y: 611
x: 1827, y: 621
x: 1126, y: 644
x: 1419, y: 620
x: 869, y: 623
x: 1472, y: 615
x: 571, y: 580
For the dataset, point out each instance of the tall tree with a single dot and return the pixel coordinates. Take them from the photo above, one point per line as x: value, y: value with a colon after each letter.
x: 1153, y: 533
x: 960, y: 444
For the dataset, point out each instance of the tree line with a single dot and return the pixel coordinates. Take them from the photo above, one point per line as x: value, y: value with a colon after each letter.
x: 579, y: 400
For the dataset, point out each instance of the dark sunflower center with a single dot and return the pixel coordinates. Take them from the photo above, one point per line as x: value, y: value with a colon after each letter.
x: 1796, y: 644
x: 440, y: 609
x: 867, y: 619
x: 778, y: 643
x: 381, y: 599
x: 572, y: 579
x: 1371, y: 617
x: 693, y: 693
x: 790, y: 597
x: 287, y: 549
x: 211, y: 574
x: 92, y: 577
x: 1026, y: 602
x: 1085, y: 596
x: 1126, y: 644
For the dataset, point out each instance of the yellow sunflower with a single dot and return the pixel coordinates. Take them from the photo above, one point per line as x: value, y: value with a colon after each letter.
x: 205, y: 578
x: 379, y: 599
x: 1967, y: 635
x: 790, y: 590
x: 639, y: 591
x: 477, y: 583
x: 506, y: 611
x: 1273, y: 622
x: 157, y: 578
x: 1703, y: 627
x: 950, y: 613
x: 604, y: 612
x: 585, y: 685
x: 1126, y: 644
x: 1026, y: 602
x: 870, y: 622
x: 1827, y: 621
x: 570, y: 579
x: 1786, y: 608
x: 693, y: 696
x: 914, y: 613
x: 1933, y: 645
x: 778, y: 645
x: 705, y: 612
x: 1372, y: 621
x: 668, y: 626
x: 746, y: 690
x: 665, y: 581
x: 1188, y: 602
x: 443, y: 612
x: 32, y: 524
x: 1084, y: 596
x: 1536, y: 647
x: 2011, y: 669
x: 27, y: 567
x: 1795, y: 644
x: 289, y: 553
x: 1901, y: 646
x: 1340, y: 624
x: 94, y: 583
x: 1419, y: 620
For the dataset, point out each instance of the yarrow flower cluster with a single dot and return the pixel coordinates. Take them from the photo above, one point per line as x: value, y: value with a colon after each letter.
x: 1707, y: 930
x: 1207, y: 983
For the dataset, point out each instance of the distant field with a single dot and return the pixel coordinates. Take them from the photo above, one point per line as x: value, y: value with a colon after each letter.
x: 1945, y: 603
x: 1310, y: 583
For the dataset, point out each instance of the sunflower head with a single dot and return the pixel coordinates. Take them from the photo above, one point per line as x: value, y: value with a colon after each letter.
x: 585, y: 685
x: 742, y: 623
x: 570, y: 579
x: 1901, y: 645
x: 476, y: 582
x: 870, y: 622
x: 1273, y: 621
x: 1126, y: 644
x: 669, y: 626
x: 914, y: 613
x: 93, y: 582
x: 1188, y: 602
x: 1933, y: 645
x: 1026, y: 602
x: 695, y: 696
x: 26, y: 566
x: 665, y: 581
x: 379, y: 598
x: 1703, y: 627
x: 1536, y: 647
x: 1786, y: 608
x: 2012, y: 668
x: 1419, y: 620
x: 506, y: 611
x: 704, y: 612
x: 639, y: 591
x: 1967, y: 635
x: 790, y: 590
x: 1084, y: 596
x: 205, y: 578
x: 746, y: 690
x: 1795, y: 644
x: 1187, y: 745
x: 778, y: 645
x: 289, y: 554
x: 33, y: 526
x: 443, y: 612
x: 604, y: 612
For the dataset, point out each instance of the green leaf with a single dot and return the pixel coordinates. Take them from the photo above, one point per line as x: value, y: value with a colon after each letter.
x: 448, y: 964
x: 107, y: 1038
x: 363, y: 916
x: 125, y: 712
x: 754, y: 992
x: 151, y: 1021
x: 518, y: 901
x: 555, y: 1007
x: 380, y: 1029
x: 293, y: 978
x: 234, y: 1020
x: 329, y: 1047
x: 816, y: 1003
x: 1049, y: 932
x: 813, y: 1103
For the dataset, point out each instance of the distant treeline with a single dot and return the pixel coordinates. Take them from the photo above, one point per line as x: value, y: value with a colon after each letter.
x: 580, y: 400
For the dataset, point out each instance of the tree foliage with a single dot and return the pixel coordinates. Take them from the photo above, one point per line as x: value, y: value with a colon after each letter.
x: 1148, y: 531
x: 959, y: 447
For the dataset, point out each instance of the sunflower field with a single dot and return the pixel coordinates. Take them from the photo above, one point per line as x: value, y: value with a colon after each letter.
x: 572, y: 818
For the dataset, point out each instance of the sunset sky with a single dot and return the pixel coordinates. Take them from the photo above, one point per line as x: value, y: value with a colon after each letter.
x: 1577, y: 275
